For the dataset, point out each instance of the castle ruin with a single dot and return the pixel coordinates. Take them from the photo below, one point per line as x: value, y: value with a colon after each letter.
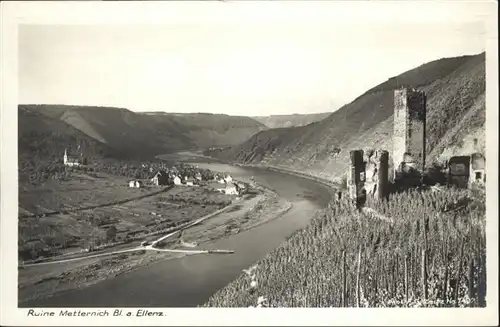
x: 355, y: 181
x: 467, y: 171
x: 368, y: 175
x: 408, y: 152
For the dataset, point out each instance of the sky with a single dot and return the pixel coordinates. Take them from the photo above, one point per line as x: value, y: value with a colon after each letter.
x: 251, y: 68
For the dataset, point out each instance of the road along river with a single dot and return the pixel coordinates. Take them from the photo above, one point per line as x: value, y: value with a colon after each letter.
x: 189, y: 281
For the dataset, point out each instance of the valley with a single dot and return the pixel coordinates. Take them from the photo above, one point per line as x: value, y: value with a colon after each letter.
x: 290, y: 224
x: 253, y: 215
x: 92, y: 227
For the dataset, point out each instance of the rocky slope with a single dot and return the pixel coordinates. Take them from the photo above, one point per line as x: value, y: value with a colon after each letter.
x: 455, y: 89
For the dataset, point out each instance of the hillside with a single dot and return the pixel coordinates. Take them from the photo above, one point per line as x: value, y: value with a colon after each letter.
x: 41, y: 144
x: 212, y: 130
x: 295, y: 120
x: 455, y: 89
x: 146, y: 134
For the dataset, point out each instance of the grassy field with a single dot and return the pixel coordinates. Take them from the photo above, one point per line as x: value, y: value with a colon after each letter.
x: 76, y: 229
x: 255, y: 208
x: 433, y: 254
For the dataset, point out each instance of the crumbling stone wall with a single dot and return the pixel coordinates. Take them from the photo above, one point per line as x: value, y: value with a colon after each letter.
x: 368, y: 175
x: 459, y: 171
x: 356, y: 178
x: 383, y: 174
x: 371, y: 173
x: 465, y: 171
x: 409, y: 134
x: 477, y: 174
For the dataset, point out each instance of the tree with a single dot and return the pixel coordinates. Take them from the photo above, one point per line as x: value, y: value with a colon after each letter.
x: 206, y: 174
x: 111, y: 233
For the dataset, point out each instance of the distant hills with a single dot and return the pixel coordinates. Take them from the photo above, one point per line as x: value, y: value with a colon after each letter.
x: 97, y: 133
x: 141, y: 134
x: 294, y: 120
x: 455, y: 89
x: 316, y: 144
x: 205, y: 130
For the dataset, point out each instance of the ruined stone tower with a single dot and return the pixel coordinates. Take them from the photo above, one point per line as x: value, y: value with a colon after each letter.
x: 409, y: 135
x: 382, y: 160
x: 356, y: 178
x: 368, y: 175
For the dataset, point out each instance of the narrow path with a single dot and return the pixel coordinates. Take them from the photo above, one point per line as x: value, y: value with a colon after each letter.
x: 148, y: 247
x: 139, y: 248
x: 82, y: 258
x: 196, y: 222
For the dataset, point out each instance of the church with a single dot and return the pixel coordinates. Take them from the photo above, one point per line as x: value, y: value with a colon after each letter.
x: 70, y: 161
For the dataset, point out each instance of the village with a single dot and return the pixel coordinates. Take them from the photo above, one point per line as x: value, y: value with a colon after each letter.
x: 164, y: 176
x: 98, y: 206
x: 129, y: 222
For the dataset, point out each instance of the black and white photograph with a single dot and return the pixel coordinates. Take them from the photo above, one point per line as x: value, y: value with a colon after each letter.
x: 251, y: 155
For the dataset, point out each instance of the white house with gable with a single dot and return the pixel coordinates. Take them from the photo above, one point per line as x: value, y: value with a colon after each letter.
x: 228, y: 179
x: 231, y: 189
x: 177, y: 180
x: 189, y: 181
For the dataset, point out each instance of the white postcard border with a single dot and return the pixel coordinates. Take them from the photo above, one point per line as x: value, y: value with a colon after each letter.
x: 85, y: 12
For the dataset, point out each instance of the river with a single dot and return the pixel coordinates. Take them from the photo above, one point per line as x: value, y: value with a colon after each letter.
x: 189, y: 281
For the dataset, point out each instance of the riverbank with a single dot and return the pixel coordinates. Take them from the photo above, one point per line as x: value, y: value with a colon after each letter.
x: 334, y: 184
x: 43, y: 281
x: 241, y: 217
x: 326, y: 182
x: 192, y: 279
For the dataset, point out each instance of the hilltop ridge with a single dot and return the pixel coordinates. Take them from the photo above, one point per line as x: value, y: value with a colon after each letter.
x: 455, y: 89
x: 147, y: 134
x: 293, y: 120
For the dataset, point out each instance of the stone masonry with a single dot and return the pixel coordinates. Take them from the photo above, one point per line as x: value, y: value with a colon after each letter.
x: 368, y: 175
x: 409, y: 134
x: 355, y: 180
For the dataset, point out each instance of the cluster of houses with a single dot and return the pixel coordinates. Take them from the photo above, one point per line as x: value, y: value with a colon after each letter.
x: 222, y: 183
x: 135, y: 184
x: 230, y: 186
x: 163, y: 177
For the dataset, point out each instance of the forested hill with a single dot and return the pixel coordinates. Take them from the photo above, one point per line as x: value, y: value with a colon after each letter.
x: 143, y: 134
